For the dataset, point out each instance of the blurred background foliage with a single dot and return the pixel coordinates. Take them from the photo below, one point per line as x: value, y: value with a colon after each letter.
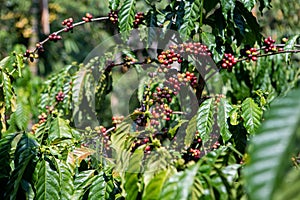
x: 27, y: 22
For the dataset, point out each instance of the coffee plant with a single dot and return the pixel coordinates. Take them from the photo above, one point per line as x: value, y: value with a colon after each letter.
x: 185, y: 100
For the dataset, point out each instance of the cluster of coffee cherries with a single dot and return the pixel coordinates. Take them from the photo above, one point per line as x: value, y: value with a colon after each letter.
x: 60, y: 96
x: 42, y: 118
x: 88, y: 17
x: 193, y: 152
x: 269, y: 45
x: 160, y: 111
x: 141, y: 141
x: 139, y: 17
x: 104, y: 136
x: 250, y: 53
x: 113, y: 16
x: 117, y: 119
x: 187, y: 77
x: 68, y: 23
x: 162, y: 94
x: 228, y: 61
x: 166, y: 58
x: 192, y: 48
x: 54, y: 37
x: 31, y: 55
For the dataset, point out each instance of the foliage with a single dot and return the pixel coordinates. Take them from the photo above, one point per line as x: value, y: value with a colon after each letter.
x: 275, y: 141
x: 191, y: 104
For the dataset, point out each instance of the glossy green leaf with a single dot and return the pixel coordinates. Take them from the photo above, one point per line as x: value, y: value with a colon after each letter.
x: 191, y: 16
x: 249, y: 4
x: 289, y: 187
x: 190, y: 131
x: 20, y: 63
x: 48, y: 184
x: 251, y: 114
x: 154, y: 187
x: 22, y: 116
x: 5, y: 159
x: 82, y: 182
x: 132, y: 174
x: 270, y: 149
x: 120, y: 136
x: 151, y: 19
x: 205, y: 119
x: 223, y: 114
x: 126, y: 17
x: 66, y: 173
x: 114, y: 4
x: 25, y: 152
x: 101, y: 188
x: 227, y: 7
x: 179, y: 186
x: 9, y: 95
x: 59, y: 130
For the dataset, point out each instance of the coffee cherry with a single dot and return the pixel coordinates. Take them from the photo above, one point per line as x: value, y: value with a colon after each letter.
x: 113, y: 16
x: 228, y: 61
x: 42, y: 118
x: 54, y: 37
x: 139, y: 17
x: 68, y: 23
x: 60, y: 96
x: 269, y: 45
x: 88, y: 17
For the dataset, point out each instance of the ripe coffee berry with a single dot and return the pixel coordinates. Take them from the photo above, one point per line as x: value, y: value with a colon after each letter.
x: 113, y: 16
x: 87, y: 17
x: 139, y: 17
x: 68, y: 23
x: 228, y: 61
x: 54, y: 37
x: 60, y: 96
x: 42, y: 118
x: 269, y: 43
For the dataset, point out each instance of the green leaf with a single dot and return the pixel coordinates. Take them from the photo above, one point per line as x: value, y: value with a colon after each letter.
x: 191, y: 16
x: 151, y: 19
x: 223, y: 114
x: 190, y: 131
x: 59, y: 130
x: 114, y: 4
x: 132, y: 174
x: 5, y: 159
x: 48, y: 184
x: 126, y: 17
x: 249, y: 4
x: 101, y: 188
x: 227, y: 5
x: 270, y: 149
x: 82, y: 182
x: 120, y: 137
x: 9, y: 95
x: 173, y: 130
x: 251, y: 22
x: 180, y: 185
x: 26, y: 151
x: 66, y: 173
x: 20, y: 63
x: 290, y: 187
x: 22, y: 116
x: 205, y: 119
x: 154, y: 187
x: 251, y: 114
